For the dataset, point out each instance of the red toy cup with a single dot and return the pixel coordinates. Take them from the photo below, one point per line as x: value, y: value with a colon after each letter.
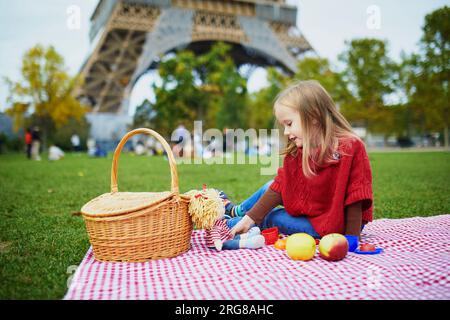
x: 270, y: 235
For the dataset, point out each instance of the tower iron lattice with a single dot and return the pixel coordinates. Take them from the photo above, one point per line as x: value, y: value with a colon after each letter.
x: 128, y: 37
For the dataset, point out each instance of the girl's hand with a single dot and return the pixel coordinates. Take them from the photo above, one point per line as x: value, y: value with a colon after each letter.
x: 243, y: 225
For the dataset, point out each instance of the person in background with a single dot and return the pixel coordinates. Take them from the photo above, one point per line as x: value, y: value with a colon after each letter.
x: 198, y: 146
x: 150, y: 146
x: 91, y: 148
x: 181, y: 137
x: 28, y: 142
x: 159, y: 148
x: 94, y: 149
x: 55, y: 153
x: 99, y: 151
x: 36, y: 144
x: 75, y: 139
x: 139, y: 149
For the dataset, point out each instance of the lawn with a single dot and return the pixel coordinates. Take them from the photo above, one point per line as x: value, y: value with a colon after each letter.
x: 40, y: 239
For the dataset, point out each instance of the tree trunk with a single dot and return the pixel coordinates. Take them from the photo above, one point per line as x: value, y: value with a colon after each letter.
x: 446, y: 136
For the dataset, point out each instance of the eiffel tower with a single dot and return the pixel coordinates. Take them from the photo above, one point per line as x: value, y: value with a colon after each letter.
x: 129, y: 37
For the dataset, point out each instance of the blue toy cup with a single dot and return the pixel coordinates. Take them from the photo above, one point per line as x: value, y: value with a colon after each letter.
x: 353, y: 242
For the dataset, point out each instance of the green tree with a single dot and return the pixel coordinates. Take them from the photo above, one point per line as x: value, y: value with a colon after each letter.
x: 143, y: 117
x: 412, y: 86
x: 261, y: 102
x: 178, y: 98
x: 319, y: 69
x: 424, y: 77
x: 435, y: 64
x: 44, y: 91
x: 370, y: 75
x: 225, y: 88
x: 61, y: 136
x: 207, y: 87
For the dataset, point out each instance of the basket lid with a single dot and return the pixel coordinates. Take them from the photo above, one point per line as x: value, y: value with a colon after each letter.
x: 118, y: 203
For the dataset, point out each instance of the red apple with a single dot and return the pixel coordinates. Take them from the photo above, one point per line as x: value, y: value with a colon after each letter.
x: 367, y: 247
x: 333, y: 247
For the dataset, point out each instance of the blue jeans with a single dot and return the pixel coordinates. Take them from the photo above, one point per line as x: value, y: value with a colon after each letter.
x: 277, y: 217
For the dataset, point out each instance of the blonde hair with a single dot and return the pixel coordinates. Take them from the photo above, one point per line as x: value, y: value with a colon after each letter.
x: 313, y: 102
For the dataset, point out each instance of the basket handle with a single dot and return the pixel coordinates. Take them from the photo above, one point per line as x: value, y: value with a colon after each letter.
x: 172, y: 163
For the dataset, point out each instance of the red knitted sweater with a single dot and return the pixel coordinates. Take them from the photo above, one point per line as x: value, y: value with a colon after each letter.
x: 323, y: 197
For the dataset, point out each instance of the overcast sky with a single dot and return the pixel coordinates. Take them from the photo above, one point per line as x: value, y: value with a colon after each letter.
x: 325, y: 23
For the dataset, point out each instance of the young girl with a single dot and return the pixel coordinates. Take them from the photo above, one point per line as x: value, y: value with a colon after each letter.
x: 325, y: 184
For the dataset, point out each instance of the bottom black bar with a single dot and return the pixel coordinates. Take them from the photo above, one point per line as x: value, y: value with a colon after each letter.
x: 183, y: 309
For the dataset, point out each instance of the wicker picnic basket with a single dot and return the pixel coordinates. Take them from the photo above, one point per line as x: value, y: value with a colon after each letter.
x: 139, y: 226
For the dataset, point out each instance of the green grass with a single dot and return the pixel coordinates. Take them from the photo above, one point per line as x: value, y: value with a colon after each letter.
x: 40, y: 238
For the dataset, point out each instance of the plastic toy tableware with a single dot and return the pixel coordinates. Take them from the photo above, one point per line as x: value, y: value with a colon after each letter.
x: 270, y: 235
x: 376, y: 251
x: 280, y: 244
x: 352, y: 242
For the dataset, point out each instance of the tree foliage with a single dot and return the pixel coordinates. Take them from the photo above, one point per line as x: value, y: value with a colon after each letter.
x: 144, y: 115
x: 369, y: 74
x: 44, y: 91
x: 320, y: 69
x: 426, y: 75
x: 207, y: 88
x: 261, y: 102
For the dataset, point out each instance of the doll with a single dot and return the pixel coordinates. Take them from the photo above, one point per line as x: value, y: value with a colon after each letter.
x: 207, y: 211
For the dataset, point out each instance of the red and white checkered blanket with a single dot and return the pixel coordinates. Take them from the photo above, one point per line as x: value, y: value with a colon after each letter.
x: 415, y: 264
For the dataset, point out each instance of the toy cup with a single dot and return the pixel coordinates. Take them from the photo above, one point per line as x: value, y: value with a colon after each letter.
x: 270, y: 235
x: 352, y: 242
